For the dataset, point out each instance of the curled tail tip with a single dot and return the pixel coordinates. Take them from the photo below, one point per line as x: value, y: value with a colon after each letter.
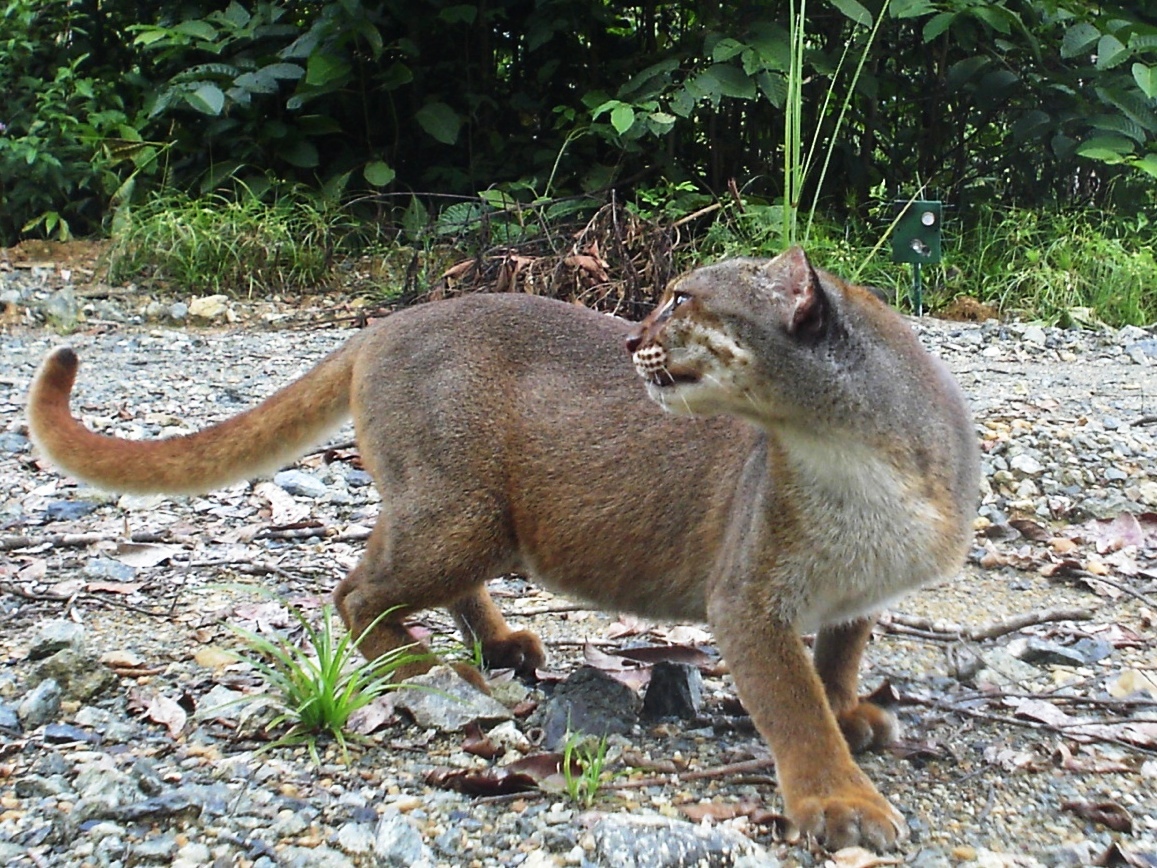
x: 58, y: 371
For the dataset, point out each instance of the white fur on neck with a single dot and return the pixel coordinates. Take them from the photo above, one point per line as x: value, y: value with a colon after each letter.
x: 868, y: 529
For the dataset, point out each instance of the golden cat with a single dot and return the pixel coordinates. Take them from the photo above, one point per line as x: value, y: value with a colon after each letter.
x: 826, y: 464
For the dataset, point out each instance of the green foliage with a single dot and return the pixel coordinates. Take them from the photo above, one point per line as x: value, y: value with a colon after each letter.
x: 237, y: 244
x: 583, y: 761
x: 1059, y: 267
x: 54, y: 178
x: 318, y: 684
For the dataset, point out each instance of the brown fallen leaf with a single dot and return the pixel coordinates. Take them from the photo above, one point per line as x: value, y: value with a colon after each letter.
x: 1117, y: 855
x: 1104, y: 813
x: 167, y: 712
x: 478, y: 743
x: 1088, y: 761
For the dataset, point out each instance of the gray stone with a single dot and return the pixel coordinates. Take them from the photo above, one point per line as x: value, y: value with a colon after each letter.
x: 158, y: 850
x: 1004, y: 670
x: 651, y: 841
x: 41, y: 705
x: 1042, y: 652
x: 54, y: 636
x: 1034, y: 335
x: 441, y: 699
x: 313, y: 857
x: 9, y: 719
x: 62, y: 310
x: 397, y: 844
x: 357, y: 839
x: 109, y: 570
x: 68, y: 510
x: 300, y: 484
x: 591, y: 702
x: 675, y: 690
x: 10, y: 441
x: 178, y: 311
x: 80, y: 676
x: 66, y: 733
x: 1026, y: 465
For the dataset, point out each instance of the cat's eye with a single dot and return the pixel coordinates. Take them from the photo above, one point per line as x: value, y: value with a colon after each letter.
x: 678, y: 298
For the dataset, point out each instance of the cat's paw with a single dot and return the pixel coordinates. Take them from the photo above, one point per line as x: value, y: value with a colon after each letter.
x: 520, y: 650
x: 867, y: 726
x: 849, y: 818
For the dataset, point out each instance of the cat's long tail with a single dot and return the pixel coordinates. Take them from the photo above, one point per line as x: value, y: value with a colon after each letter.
x: 256, y: 442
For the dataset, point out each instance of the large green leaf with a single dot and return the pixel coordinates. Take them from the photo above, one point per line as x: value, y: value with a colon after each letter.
x: 1147, y: 164
x: 1107, y: 149
x: 854, y: 10
x: 1110, y: 51
x: 325, y: 69
x: 207, y: 98
x: 1079, y: 39
x: 197, y: 29
x: 910, y: 8
x: 301, y: 153
x: 440, y: 121
x: 937, y: 25
x: 378, y: 173
x: 1146, y: 78
x: 622, y: 118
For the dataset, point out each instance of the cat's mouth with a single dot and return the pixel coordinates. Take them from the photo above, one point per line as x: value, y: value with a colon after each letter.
x: 664, y: 378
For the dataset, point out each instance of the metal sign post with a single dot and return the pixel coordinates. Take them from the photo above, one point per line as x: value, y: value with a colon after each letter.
x: 916, y: 239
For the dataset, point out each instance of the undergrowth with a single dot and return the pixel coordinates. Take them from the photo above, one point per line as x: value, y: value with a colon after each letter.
x: 234, y: 244
x: 1055, y: 266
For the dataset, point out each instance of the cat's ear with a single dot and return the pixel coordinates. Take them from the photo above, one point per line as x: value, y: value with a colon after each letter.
x: 807, y: 311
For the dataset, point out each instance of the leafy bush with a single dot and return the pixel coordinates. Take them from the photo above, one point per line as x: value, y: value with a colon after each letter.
x: 55, y: 179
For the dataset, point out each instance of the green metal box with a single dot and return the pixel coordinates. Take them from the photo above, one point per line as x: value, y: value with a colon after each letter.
x: 916, y: 236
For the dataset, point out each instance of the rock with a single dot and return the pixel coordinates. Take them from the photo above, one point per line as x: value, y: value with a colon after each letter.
x: 103, y: 788
x: 675, y: 690
x: 397, y: 844
x: 158, y: 850
x: 313, y: 857
x: 9, y: 720
x: 1034, y: 335
x: 591, y: 702
x: 109, y: 570
x: 357, y: 839
x: 441, y: 699
x: 650, y: 841
x: 10, y: 441
x: 41, y: 705
x: 300, y: 484
x: 1026, y: 465
x: 62, y: 311
x: 178, y: 311
x: 56, y: 635
x: 209, y: 306
x: 64, y: 733
x: 80, y: 676
x: 1042, y: 652
x: 68, y: 510
x: 1004, y: 670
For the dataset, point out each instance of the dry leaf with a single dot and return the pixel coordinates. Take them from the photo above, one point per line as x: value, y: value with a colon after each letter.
x: 143, y: 554
x: 168, y: 713
x: 1132, y: 681
x: 284, y: 509
x: 1103, y: 813
x: 1088, y: 761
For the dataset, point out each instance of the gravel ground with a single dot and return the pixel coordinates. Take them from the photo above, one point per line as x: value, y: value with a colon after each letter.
x: 1027, y: 742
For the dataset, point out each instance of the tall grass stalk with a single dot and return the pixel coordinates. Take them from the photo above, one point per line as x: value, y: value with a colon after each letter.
x: 797, y: 165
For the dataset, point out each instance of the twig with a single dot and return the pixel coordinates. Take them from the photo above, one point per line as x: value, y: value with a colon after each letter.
x: 740, y: 768
x: 947, y: 631
x: 1124, y: 589
x: 75, y: 540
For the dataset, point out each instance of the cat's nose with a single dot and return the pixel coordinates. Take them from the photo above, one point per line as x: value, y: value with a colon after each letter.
x: 634, y: 341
